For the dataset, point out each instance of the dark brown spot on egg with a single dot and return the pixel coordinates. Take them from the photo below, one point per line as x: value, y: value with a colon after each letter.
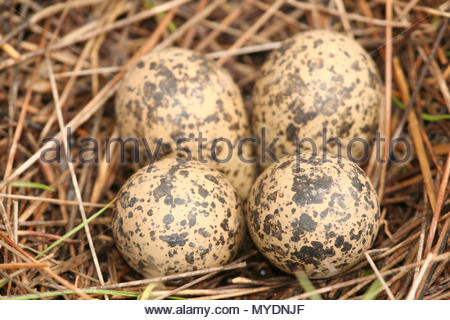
x: 175, y: 239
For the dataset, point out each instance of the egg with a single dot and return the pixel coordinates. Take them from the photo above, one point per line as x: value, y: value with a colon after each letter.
x: 313, y: 213
x: 193, y: 108
x: 173, y: 217
x: 319, y: 91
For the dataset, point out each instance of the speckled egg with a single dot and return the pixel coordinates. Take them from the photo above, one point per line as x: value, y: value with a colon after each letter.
x: 318, y: 86
x: 317, y: 213
x: 193, y: 107
x: 174, y: 217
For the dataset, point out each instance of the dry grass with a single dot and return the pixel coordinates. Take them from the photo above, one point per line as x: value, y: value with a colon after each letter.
x: 60, y: 64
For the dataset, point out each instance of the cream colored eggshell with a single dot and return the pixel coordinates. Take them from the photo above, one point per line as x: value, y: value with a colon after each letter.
x: 317, y: 79
x: 177, y: 93
x: 176, y: 217
x: 319, y: 214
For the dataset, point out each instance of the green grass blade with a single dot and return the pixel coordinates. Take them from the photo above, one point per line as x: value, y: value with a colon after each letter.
x: 88, y: 291
x: 60, y: 293
x: 367, y: 272
x: 67, y: 235
x: 5, y: 281
x: 31, y: 185
x: 434, y: 118
x: 425, y: 116
x: 150, y: 5
x: 307, y: 285
x: 75, y: 230
x: 373, y: 290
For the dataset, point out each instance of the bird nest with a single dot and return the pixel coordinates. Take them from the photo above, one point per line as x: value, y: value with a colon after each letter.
x: 60, y: 66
